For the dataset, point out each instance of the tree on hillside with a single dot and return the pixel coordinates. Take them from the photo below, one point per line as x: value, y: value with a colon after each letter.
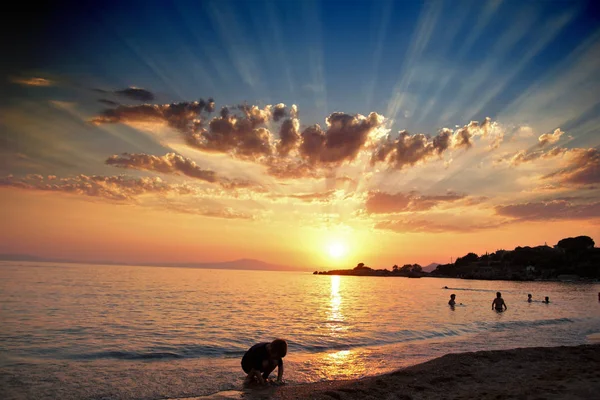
x: 466, y: 260
x: 576, y: 244
x: 417, y: 268
x: 406, y: 268
x: 360, y: 265
x: 395, y: 268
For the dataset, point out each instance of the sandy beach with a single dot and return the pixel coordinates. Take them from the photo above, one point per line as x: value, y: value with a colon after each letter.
x: 526, y: 373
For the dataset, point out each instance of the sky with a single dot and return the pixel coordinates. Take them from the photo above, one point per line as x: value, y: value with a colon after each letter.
x: 308, y: 134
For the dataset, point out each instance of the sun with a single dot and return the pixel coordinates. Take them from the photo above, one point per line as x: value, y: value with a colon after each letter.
x: 336, y: 250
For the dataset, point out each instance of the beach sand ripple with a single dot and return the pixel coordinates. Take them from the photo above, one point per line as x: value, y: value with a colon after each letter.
x: 527, y: 373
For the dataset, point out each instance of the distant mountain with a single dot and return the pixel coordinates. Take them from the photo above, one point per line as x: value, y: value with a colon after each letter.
x: 430, y: 267
x: 27, y: 257
x: 242, y: 264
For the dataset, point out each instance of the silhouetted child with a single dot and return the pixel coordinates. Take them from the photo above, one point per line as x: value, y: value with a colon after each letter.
x: 529, y: 299
x: 546, y: 300
x: 498, y: 303
x: 452, y: 302
x: 263, y: 358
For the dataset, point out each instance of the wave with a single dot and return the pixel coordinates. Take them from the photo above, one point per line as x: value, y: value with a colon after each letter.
x: 127, y: 355
x: 312, y: 346
x: 472, y: 290
x: 530, y: 324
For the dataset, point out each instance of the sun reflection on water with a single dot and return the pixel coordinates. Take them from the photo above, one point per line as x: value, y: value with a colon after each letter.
x: 343, y: 364
x: 335, y: 317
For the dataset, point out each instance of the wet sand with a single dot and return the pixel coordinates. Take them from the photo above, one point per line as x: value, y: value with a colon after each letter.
x: 527, y: 373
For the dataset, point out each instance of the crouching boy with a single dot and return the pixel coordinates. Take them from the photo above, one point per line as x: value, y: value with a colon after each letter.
x: 262, y: 358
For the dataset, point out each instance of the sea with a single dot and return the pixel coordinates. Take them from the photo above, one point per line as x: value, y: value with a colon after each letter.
x: 76, y: 331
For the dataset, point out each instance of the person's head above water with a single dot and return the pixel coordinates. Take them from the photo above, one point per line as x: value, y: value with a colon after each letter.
x: 547, y: 299
x: 529, y: 296
x: 498, y: 294
x: 452, y: 296
x: 278, y: 348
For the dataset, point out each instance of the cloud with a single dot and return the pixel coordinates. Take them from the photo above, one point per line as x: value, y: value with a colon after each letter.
x: 289, y: 136
x: 170, y: 163
x: 183, y: 116
x: 410, y: 149
x: 525, y: 156
x: 135, y: 93
x: 175, y: 164
x: 425, y: 226
x: 109, y: 103
x: 243, y: 136
x: 463, y: 137
x: 321, y: 197
x: 116, y: 188
x: 583, y: 168
x: 550, y: 138
x: 224, y: 212
x: 549, y: 210
x: 345, y: 136
x: 32, y: 81
x: 385, y: 203
x: 284, y: 168
x: 244, y: 132
x: 279, y: 112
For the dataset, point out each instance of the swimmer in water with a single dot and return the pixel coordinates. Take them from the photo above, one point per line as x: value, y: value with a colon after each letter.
x: 529, y: 299
x: 499, y: 303
x: 546, y: 300
x: 452, y: 302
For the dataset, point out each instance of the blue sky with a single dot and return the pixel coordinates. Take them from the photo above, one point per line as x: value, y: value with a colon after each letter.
x: 505, y: 93
x: 325, y: 56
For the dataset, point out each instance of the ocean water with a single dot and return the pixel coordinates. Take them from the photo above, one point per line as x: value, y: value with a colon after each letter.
x: 118, y: 332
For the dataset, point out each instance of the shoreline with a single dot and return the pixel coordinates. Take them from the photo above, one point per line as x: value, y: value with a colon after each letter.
x: 564, y: 372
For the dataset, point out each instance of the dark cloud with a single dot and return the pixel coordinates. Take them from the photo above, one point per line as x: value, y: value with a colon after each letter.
x: 279, y: 112
x: 176, y: 164
x: 184, y: 117
x: 550, y: 210
x: 170, y: 163
x: 242, y: 136
x: 345, y: 137
x: 117, y: 188
x: 385, y: 203
x: 289, y: 136
x: 244, y: 132
x: 135, y: 93
x: 583, y: 168
x: 109, y: 102
x: 410, y: 149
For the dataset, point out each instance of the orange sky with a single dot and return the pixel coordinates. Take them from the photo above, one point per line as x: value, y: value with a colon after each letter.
x: 337, y: 159
x: 67, y: 226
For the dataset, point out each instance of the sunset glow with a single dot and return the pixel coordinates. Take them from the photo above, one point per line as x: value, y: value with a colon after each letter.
x: 392, y: 198
x: 401, y: 142
x: 337, y: 250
